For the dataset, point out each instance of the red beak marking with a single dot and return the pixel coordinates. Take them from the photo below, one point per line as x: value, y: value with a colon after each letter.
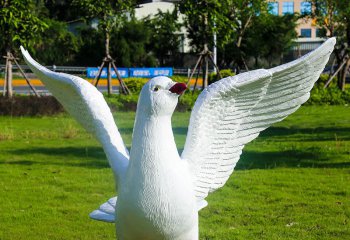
x: 178, y: 88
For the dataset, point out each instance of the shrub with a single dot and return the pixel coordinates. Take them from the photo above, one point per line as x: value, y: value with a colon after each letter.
x: 48, y: 105
x: 122, y: 102
x: 213, y: 77
x: 29, y: 106
x: 186, y: 101
x: 331, y: 95
x: 178, y: 78
x: 135, y: 84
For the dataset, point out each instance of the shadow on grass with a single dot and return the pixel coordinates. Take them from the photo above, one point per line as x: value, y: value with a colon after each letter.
x: 125, y: 130
x: 307, y: 158
x: 308, y: 134
x: 94, y: 157
x: 180, y: 130
x: 176, y: 130
x: 90, y: 157
x: 314, y: 157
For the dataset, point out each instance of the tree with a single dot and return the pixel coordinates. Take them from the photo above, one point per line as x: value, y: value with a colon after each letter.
x: 203, y: 18
x: 270, y: 37
x: 241, y: 15
x: 60, y: 10
x: 333, y: 17
x: 19, y: 25
x: 91, y: 49
x: 56, y: 45
x: 230, y: 19
x: 131, y: 50
x: 165, y: 41
x: 110, y: 14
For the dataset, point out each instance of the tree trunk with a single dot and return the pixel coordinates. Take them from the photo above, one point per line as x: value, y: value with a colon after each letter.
x: 241, y: 60
x: 343, y: 75
x: 206, y: 70
x: 108, y: 59
x: 206, y: 51
x: 107, y: 44
x: 109, y: 80
x: 8, y: 79
x: 339, y: 74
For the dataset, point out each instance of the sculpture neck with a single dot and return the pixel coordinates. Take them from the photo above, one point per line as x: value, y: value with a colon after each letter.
x: 153, y: 141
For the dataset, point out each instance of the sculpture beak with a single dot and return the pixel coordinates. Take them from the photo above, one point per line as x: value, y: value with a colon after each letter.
x: 178, y: 88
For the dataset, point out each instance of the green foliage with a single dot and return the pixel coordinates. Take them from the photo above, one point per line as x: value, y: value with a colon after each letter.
x: 187, y: 101
x: 56, y: 44
x: 331, y: 95
x: 129, y: 45
x: 165, y: 42
x: 229, y: 19
x: 91, y: 50
x: 19, y: 24
x: 226, y: 73
x: 179, y: 78
x: 234, y: 36
x: 110, y: 14
x: 203, y: 18
x: 332, y: 16
x: 121, y: 102
x: 213, y: 77
x: 275, y: 35
x: 135, y: 84
x: 239, y: 16
x: 63, y: 11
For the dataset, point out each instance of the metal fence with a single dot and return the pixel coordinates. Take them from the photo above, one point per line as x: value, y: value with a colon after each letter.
x: 79, y: 71
x: 82, y: 70
x: 67, y: 69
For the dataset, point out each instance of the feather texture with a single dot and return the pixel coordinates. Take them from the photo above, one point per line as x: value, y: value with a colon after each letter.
x: 233, y: 111
x: 87, y: 105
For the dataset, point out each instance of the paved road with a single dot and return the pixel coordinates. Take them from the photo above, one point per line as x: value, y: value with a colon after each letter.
x: 20, y: 87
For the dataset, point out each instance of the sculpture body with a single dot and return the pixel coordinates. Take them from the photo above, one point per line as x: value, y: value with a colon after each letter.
x: 159, y: 192
x: 156, y: 194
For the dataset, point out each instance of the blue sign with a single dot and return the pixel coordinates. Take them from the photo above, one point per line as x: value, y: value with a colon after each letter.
x: 92, y: 72
x: 150, y: 72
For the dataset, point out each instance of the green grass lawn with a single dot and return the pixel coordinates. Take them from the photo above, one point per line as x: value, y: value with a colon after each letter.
x: 293, y: 182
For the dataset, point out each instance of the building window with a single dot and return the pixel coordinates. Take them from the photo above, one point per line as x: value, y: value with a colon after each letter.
x: 273, y: 8
x: 288, y: 8
x: 305, y: 33
x: 305, y: 7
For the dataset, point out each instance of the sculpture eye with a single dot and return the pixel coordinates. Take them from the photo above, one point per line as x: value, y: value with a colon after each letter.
x: 156, y: 88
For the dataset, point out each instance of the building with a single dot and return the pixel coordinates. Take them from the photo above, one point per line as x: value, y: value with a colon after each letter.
x: 308, y: 34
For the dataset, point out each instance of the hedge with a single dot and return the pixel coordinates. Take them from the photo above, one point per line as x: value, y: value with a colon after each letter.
x: 48, y: 105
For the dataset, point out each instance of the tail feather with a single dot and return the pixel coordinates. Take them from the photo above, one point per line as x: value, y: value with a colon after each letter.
x: 106, y: 211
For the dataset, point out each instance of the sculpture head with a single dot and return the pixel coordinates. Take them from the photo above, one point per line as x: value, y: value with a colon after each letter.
x: 159, y: 96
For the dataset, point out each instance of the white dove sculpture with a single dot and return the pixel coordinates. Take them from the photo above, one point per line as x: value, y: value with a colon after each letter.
x: 160, y: 192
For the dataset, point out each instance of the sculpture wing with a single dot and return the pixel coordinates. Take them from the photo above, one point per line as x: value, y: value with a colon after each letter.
x: 87, y: 105
x: 233, y: 111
